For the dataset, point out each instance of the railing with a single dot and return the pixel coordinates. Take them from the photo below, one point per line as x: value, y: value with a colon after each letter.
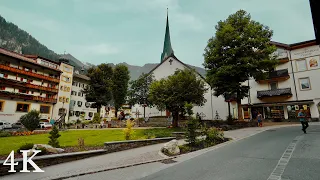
x: 28, y: 73
x: 276, y: 92
x: 27, y: 85
x: 26, y: 97
x: 282, y: 73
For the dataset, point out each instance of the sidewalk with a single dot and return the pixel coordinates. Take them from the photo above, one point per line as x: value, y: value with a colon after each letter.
x: 122, y: 158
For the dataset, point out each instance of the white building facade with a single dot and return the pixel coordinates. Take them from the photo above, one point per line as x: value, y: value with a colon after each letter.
x: 292, y: 86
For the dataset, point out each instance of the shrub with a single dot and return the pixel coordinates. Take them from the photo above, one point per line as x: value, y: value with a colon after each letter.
x: 128, y: 131
x: 23, y: 133
x: 157, y: 133
x: 213, y: 136
x: 26, y: 146
x: 96, y: 118
x: 43, y: 151
x: 192, y: 134
x: 54, y: 135
x: 30, y: 120
x: 4, y: 134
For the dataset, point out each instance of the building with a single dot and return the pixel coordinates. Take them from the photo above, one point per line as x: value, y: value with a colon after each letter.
x: 292, y: 86
x: 26, y: 84
x: 78, y: 104
x: 169, y: 64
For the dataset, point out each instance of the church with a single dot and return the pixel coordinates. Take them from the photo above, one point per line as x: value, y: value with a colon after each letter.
x: 168, y: 65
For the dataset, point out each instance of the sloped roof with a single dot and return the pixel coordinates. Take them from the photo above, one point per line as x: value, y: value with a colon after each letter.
x: 81, y: 76
x: 23, y: 58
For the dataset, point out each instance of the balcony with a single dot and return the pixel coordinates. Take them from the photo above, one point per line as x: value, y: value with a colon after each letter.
x: 274, y: 93
x: 15, y: 83
x: 277, y: 75
x: 28, y: 73
x: 283, y: 57
x: 13, y: 95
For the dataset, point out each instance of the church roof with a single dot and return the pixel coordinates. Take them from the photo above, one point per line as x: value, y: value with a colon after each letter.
x: 167, y: 48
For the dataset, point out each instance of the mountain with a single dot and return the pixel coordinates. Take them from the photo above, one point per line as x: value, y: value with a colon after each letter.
x: 15, y: 39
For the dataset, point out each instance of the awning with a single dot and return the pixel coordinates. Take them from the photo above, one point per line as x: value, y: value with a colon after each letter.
x: 304, y: 102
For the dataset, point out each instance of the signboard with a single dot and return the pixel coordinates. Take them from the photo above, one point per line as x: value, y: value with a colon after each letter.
x: 305, y: 52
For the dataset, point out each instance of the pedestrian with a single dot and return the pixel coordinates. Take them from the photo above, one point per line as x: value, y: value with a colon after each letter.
x: 259, y: 118
x: 303, y: 120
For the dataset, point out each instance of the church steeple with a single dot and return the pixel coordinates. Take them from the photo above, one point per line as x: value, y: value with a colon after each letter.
x: 167, y: 49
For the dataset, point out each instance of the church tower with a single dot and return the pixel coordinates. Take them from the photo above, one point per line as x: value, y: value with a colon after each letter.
x: 167, y: 48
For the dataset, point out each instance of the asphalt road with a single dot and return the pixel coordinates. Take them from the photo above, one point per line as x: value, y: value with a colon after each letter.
x: 283, y: 152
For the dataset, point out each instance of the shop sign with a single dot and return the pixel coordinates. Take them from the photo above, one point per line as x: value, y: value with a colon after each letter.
x: 305, y: 52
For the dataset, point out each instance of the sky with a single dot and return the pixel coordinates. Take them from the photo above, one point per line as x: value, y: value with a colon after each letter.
x: 132, y: 31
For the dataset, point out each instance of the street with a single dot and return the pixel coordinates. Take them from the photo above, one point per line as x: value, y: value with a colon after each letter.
x: 254, y: 158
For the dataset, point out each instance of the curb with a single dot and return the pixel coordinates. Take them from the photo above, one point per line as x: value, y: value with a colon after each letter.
x: 113, y: 168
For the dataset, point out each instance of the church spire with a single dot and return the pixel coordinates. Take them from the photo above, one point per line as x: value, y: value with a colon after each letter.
x: 167, y: 49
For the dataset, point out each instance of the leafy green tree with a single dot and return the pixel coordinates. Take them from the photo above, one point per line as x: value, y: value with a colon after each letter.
x: 120, y: 81
x: 239, y: 50
x: 99, y: 89
x: 184, y: 86
x: 54, y: 135
x: 31, y: 120
x: 139, y: 91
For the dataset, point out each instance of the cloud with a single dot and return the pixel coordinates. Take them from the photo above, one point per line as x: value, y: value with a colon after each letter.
x: 99, y: 49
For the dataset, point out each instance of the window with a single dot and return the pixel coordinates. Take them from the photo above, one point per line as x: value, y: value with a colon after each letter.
x: 62, y: 111
x: 45, y: 109
x: 71, y: 113
x: 79, y: 84
x: 304, y: 84
x: 61, y: 88
x: 49, y: 95
x: 1, y: 105
x: 65, y: 79
x: 72, y: 102
x: 87, y: 104
x: 22, y: 107
x: 80, y: 94
x: 79, y: 103
x: 23, y: 91
x: 2, y: 88
x: 67, y: 100
x: 301, y: 65
x: 31, y: 92
x: 1, y: 75
x: 73, y: 93
x: 67, y: 69
x: 74, y: 83
x: 273, y: 85
x: 82, y: 113
x: 65, y: 88
x: 60, y: 99
x: 82, y: 85
x: 90, y: 114
x: 77, y: 113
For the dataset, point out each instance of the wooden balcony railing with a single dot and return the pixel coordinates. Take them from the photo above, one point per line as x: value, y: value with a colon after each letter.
x: 26, y: 97
x: 28, y: 73
x: 16, y: 83
x: 275, y: 92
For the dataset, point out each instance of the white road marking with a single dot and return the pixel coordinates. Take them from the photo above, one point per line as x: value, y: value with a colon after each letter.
x: 284, y: 160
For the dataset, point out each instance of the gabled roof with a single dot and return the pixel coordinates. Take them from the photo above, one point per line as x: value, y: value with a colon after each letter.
x: 174, y: 57
x: 23, y: 58
x: 81, y: 76
x: 40, y: 57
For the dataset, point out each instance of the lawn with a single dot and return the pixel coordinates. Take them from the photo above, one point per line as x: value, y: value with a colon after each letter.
x: 70, y: 138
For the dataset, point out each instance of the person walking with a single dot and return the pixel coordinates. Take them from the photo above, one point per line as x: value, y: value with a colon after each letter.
x: 259, y: 118
x: 303, y: 120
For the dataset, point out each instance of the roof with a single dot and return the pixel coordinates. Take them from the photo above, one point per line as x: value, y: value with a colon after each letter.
x: 37, y: 56
x: 295, y: 45
x: 174, y: 57
x: 23, y: 58
x: 81, y: 76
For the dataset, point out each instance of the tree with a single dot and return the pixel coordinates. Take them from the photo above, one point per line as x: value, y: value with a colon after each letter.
x: 139, y: 91
x: 120, y: 81
x: 31, y: 120
x: 184, y: 86
x: 240, y: 49
x: 54, y: 135
x: 99, y: 89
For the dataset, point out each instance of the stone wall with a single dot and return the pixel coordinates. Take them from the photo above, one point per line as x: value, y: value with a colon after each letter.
x: 124, y: 145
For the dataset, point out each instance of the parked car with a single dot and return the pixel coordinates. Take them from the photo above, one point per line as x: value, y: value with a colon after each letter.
x: 17, y: 125
x: 7, y: 125
x: 45, y: 125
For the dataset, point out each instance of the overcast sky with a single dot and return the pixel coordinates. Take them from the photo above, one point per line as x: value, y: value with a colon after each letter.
x: 132, y: 31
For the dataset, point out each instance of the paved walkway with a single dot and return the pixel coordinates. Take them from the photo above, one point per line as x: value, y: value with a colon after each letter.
x: 118, y: 159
